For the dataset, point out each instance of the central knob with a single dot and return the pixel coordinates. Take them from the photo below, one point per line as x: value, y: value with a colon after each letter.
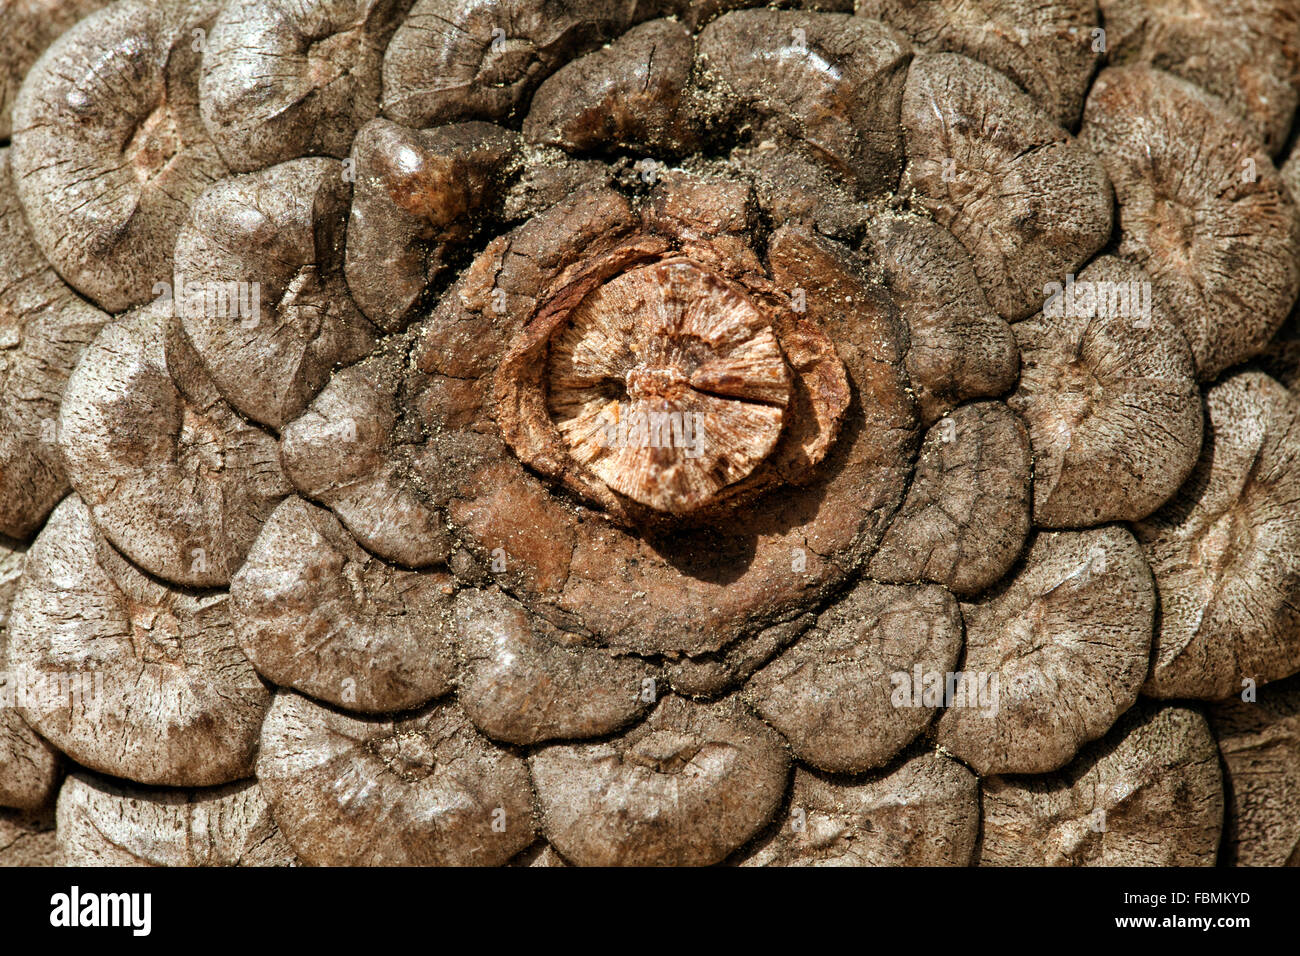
x: 669, y: 385
x: 644, y: 383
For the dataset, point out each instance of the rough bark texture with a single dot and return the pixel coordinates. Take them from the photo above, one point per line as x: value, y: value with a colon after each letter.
x: 695, y: 589
x: 31, y: 26
x: 1291, y: 175
x: 633, y: 94
x: 709, y: 675
x: 418, y: 196
x: 282, y: 232
x: 28, y: 838
x: 1246, y: 52
x: 1048, y: 48
x: 172, y: 475
x: 745, y: 66
x: 315, y: 612
x: 526, y: 682
x: 324, y: 57
x: 958, y: 348
x: 43, y: 328
x: 793, y: 186
x: 1026, y: 200
x: 29, y: 767
x: 353, y: 449
x: 457, y: 59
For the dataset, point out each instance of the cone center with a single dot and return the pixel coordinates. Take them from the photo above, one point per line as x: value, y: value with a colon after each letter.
x: 668, y: 384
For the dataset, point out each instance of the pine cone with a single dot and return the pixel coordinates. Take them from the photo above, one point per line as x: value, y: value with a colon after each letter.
x: 649, y: 432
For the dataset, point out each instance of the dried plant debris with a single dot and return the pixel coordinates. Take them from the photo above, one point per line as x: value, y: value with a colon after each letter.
x: 1225, y: 551
x: 417, y: 198
x: 469, y: 329
x: 454, y: 60
x: 1048, y: 48
x: 109, y: 150
x: 1259, y: 740
x: 289, y: 78
x: 1108, y: 389
x: 1245, y: 52
x: 418, y: 789
x: 842, y: 693
x: 259, y: 276
x: 29, y: 766
x: 105, y: 823
x: 28, y: 838
x: 344, y: 451
x: 685, y: 788
x: 315, y: 612
x: 1053, y: 656
x: 43, y: 328
x: 1017, y: 191
x: 966, y: 515
x: 1149, y: 794
x: 832, y: 82
x: 923, y: 812
x: 526, y: 682
x: 633, y: 94
x: 128, y: 676
x: 172, y: 475
x: 958, y: 347
x: 1198, y: 199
